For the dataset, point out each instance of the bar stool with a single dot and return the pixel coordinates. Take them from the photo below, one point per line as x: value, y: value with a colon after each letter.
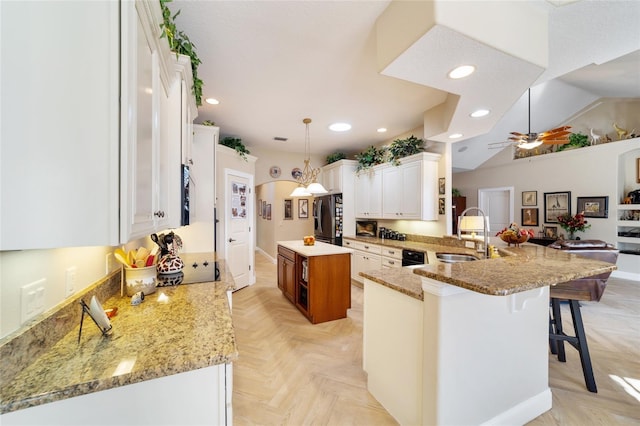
x: 583, y: 289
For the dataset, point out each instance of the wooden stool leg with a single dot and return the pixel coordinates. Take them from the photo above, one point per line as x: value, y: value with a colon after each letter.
x: 585, y: 359
x: 557, y: 321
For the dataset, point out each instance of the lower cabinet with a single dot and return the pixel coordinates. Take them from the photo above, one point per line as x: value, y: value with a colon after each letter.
x: 319, y: 286
x: 366, y: 257
x: 196, y: 397
x: 287, y: 272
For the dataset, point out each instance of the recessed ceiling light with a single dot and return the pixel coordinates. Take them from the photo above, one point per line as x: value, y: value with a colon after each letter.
x: 480, y: 113
x: 340, y: 127
x: 455, y: 135
x: 462, y: 71
x: 382, y: 130
x: 212, y: 101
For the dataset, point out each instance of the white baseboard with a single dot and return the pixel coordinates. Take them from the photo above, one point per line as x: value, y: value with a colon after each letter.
x: 265, y: 254
x: 625, y: 275
x: 525, y: 411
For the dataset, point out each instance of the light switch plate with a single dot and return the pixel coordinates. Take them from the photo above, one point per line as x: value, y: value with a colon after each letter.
x: 70, y: 282
x: 32, y: 299
x: 469, y: 244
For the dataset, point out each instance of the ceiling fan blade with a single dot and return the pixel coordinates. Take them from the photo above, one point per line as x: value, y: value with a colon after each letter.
x: 519, y: 134
x: 557, y: 129
x: 555, y: 141
x: 554, y: 135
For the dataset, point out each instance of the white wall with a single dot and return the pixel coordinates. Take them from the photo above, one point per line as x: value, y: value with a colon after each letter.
x: 585, y: 172
x: 279, y: 229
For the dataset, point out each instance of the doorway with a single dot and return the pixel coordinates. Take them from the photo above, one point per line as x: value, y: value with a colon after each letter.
x: 239, y: 219
x: 497, y: 204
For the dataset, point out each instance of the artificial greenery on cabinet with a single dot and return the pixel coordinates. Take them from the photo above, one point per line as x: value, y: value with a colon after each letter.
x: 180, y: 44
x: 576, y: 140
x: 235, y: 143
x: 370, y: 157
x: 401, y: 148
x: 336, y: 156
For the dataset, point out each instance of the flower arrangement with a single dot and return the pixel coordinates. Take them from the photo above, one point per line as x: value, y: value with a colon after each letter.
x: 514, y: 235
x: 571, y: 224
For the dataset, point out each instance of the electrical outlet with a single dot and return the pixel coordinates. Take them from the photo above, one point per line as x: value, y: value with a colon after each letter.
x: 469, y: 244
x: 32, y: 299
x: 108, y: 263
x: 70, y: 282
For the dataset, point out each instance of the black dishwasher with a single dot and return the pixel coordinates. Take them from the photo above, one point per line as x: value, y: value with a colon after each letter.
x: 410, y: 257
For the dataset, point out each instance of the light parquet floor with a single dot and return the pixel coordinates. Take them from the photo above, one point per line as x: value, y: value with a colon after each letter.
x: 290, y: 372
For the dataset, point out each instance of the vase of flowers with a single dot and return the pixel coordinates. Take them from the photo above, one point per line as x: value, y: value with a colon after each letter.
x: 571, y: 224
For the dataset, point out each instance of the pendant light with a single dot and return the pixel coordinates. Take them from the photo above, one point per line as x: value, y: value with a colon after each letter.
x: 307, y: 185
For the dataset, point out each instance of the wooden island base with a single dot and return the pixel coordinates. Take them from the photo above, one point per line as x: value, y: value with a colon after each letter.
x: 316, y: 279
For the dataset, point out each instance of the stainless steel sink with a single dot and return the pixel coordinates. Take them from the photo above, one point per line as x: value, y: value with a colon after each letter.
x: 455, y: 257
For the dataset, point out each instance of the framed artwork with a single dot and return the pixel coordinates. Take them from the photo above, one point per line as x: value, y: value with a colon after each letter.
x: 268, y: 212
x: 440, y: 205
x: 529, y: 198
x: 556, y: 204
x: 303, y: 208
x: 259, y: 207
x: 638, y: 170
x: 264, y: 209
x: 441, y: 187
x: 529, y: 217
x: 296, y: 173
x: 550, y: 232
x: 288, y: 209
x: 594, y: 206
x: 274, y: 172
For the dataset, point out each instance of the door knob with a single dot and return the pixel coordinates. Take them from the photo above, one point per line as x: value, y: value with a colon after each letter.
x: 231, y: 240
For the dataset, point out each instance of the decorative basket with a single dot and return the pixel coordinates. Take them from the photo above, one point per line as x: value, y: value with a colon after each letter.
x: 514, y: 239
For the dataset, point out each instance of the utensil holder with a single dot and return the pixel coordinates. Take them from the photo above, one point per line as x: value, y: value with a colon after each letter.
x: 140, y: 279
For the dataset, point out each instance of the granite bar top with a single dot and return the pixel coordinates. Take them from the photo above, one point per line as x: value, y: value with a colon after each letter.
x: 429, y: 244
x: 318, y: 249
x: 175, y: 330
x: 518, y: 269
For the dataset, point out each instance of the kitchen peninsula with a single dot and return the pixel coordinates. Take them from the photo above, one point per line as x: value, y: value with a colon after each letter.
x: 167, y: 361
x: 316, y: 279
x: 474, y: 336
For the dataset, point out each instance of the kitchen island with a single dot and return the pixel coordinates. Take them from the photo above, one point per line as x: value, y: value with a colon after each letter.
x: 474, y: 336
x: 166, y: 361
x: 316, y: 279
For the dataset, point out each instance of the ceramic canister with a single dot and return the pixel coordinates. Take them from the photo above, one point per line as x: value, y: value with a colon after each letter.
x: 140, y: 279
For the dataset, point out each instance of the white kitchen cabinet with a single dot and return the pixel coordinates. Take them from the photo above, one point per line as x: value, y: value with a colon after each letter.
x: 60, y: 125
x: 391, y: 257
x: 150, y: 172
x: 365, y: 257
x: 368, y: 197
x: 196, y: 397
x: 205, y: 141
x: 409, y: 191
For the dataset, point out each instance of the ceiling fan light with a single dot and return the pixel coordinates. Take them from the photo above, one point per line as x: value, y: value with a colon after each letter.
x: 530, y: 145
x: 455, y: 135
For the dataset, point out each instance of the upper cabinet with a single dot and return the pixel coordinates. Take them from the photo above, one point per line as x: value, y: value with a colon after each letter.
x: 407, y: 191
x: 338, y: 177
x: 60, y: 124
x: 87, y: 155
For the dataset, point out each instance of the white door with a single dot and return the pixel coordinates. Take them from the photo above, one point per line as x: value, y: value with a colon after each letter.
x: 238, y: 225
x: 497, y: 203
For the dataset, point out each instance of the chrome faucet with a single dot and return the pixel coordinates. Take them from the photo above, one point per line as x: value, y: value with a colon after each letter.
x: 485, y: 228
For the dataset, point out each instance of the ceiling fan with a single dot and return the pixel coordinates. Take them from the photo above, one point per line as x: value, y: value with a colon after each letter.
x: 557, y: 136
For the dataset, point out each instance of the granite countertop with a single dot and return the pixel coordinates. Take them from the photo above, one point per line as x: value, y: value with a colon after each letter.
x: 175, y: 330
x: 318, y: 249
x: 436, y: 245
x: 518, y: 269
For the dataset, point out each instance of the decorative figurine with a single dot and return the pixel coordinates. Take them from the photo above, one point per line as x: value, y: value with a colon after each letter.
x: 622, y: 133
x: 595, y: 138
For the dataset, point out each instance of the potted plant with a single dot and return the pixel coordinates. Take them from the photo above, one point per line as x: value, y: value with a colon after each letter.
x: 180, y: 44
x: 401, y: 148
x: 336, y: 156
x: 370, y: 157
x: 236, y: 143
x: 576, y: 140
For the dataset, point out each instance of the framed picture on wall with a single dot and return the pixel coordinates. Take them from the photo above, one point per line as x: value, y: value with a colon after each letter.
x: 594, y: 206
x: 556, y: 204
x: 529, y: 217
x: 288, y: 209
x: 550, y: 231
x: 440, y: 205
x: 303, y: 208
x: 441, y: 186
x: 268, y: 212
x: 529, y: 198
x: 264, y: 209
x: 259, y: 207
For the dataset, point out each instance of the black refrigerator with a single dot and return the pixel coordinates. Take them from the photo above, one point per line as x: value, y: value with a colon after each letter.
x: 327, y: 218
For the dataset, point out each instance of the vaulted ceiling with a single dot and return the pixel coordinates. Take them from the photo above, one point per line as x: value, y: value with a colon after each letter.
x: 383, y: 64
